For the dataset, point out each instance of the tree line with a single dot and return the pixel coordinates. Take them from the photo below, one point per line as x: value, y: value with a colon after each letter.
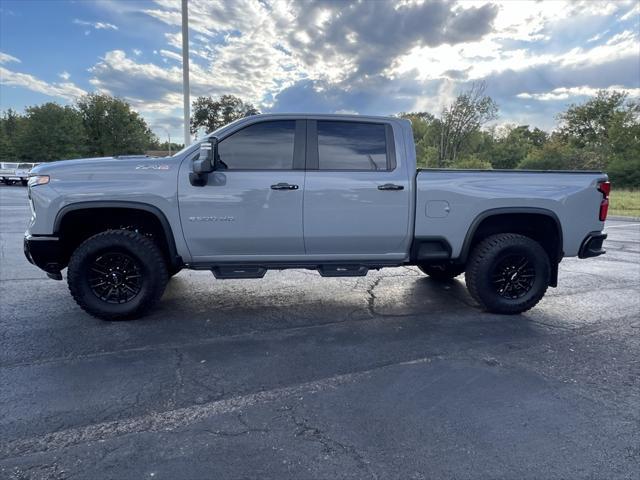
x: 602, y: 133
x: 95, y: 125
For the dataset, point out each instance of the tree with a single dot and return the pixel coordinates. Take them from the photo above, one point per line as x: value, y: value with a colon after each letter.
x: 112, y: 127
x: 49, y: 132
x: 211, y: 114
x: 426, y: 131
x: 608, y: 126
x: 468, y: 112
x: 10, y: 124
x: 512, y: 146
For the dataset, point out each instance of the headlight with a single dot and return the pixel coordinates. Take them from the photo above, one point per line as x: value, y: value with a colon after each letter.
x: 38, y: 180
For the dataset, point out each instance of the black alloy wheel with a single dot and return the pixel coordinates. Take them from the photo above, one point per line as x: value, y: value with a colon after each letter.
x: 115, y: 277
x: 513, y: 276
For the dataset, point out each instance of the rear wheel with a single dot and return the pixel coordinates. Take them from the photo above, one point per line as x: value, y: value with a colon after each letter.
x: 24, y: 182
x: 508, y: 273
x: 117, y: 275
x: 442, y: 272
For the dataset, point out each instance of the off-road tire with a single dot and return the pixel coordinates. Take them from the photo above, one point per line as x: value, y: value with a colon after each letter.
x: 486, y: 257
x: 442, y: 272
x: 141, y: 249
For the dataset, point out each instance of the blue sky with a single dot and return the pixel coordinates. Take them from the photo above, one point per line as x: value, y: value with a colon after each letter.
x: 372, y: 57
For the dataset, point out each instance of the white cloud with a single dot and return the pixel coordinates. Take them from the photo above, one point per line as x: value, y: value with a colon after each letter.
x: 563, y: 93
x: 171, y: 55
x: 6, y: 58
x: 363, y: 56
x: 65, y: 75
x: 64, y: 90
x: 137, y: 52
x: 95, y: 25
x: 634, y: 11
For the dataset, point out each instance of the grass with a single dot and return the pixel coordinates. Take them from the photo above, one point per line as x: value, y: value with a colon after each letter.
x: 624, y: 202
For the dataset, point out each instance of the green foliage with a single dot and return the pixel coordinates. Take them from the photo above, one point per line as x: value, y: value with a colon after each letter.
x: 49, y: 132
x: 600, y: 134
x: 210, y: 114
x: 9, y: 127
x: 462, y: 119
x: 472, y: 162
x: 112, y: 127
x: 99, y: 125
x: 625, y: 172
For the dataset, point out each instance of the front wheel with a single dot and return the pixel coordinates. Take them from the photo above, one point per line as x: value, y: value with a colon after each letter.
x: 117, y: 275
x: 508, y: 273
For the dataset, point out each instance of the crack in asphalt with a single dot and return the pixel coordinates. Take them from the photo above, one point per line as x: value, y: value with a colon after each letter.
x: 330, y: 445
x: 172, y: 420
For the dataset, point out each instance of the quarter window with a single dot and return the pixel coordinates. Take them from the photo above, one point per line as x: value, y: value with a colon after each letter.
x: 351, y: 146
x: 261, y: 146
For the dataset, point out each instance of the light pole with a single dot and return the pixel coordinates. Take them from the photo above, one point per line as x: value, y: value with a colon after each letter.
x: 185, y: 71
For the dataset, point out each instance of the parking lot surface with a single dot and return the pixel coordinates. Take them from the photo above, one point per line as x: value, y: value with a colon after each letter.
x: 296, y: 376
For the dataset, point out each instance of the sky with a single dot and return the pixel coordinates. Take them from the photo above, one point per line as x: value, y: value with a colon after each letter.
x: 366, y: 57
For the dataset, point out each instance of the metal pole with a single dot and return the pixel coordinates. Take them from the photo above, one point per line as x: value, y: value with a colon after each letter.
x: 185, y: 72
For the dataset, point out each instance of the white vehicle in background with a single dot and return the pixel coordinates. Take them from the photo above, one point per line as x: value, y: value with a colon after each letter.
x: 8, y: 172
x: 11, y: 172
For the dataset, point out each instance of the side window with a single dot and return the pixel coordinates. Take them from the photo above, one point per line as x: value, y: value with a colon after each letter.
x: 351, y: 146
x: 261, y: 146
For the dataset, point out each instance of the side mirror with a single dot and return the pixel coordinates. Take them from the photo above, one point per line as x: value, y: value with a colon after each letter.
x: 205, y: 163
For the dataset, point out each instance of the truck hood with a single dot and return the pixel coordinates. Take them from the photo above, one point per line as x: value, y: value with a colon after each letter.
x: 115, y: 166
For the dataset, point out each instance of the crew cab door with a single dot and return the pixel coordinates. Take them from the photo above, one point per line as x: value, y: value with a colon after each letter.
x: 251, y: 207
x: 357, y: 192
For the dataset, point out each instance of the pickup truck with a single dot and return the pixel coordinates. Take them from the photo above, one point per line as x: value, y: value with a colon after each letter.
x: 339, y: 194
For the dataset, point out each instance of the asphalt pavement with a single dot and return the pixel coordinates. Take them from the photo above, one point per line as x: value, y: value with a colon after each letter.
x: 295, y: 376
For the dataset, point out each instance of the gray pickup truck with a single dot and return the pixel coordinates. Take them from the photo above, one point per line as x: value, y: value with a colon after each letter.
x: 335, y: 193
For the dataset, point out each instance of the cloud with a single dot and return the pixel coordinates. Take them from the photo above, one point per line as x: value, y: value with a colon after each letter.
x: 6, y: 58
x: 137, y: 52
x: 563, y: 93
x: 65, y: 90
x: 378, y: 57
x: 65, y: 75
x: 95, y: 25
x: 171, y: 55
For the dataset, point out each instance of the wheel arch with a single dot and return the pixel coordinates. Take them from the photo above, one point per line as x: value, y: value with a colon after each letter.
x: 522, y: 220
x: 78, y: 209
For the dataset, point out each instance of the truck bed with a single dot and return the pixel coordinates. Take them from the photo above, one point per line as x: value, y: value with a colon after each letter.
x: 448, y: 201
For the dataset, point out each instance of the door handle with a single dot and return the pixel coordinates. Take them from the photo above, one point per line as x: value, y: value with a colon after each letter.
x: 284, y: 186
x: 390, y: 186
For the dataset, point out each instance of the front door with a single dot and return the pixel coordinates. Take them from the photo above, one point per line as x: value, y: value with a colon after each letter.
x: 251, y: 208
x: 356, y: 203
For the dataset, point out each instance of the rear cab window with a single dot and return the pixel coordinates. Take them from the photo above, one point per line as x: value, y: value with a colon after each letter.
x: 345, y: 145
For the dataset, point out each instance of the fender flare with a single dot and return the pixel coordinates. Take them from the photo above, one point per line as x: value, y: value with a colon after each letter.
x: 466, y: 246
x: 96, y: 204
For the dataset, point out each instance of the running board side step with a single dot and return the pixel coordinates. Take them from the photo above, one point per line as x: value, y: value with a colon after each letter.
x: 343, y: 270
x: 238, y: 271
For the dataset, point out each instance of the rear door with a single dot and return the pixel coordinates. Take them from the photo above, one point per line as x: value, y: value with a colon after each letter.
x: 356, y: 201
x: 251, y: 209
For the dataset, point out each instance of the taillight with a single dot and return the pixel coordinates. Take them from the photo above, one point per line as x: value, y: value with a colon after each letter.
x: 604, y: 188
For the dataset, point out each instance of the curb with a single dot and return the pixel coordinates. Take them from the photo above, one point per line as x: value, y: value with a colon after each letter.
x: 624, y: 219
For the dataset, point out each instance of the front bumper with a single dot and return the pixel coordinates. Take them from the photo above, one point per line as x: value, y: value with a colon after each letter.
x: 46, y: 253
x: 592, y: 245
